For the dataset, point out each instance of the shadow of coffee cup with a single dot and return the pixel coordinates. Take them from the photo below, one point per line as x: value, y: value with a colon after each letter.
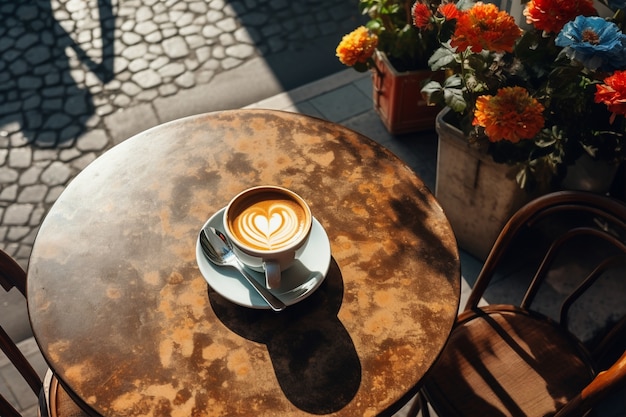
x: 314, y: 358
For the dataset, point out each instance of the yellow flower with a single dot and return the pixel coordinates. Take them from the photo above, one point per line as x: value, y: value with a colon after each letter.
x: 512, y: 114
x: 357, y: 46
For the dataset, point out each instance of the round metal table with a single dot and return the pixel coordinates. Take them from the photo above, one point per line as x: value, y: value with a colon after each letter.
x: 126, y: 320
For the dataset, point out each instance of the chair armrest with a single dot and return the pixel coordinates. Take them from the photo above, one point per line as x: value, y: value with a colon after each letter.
x: 606, y: 380
x: 603, y: 384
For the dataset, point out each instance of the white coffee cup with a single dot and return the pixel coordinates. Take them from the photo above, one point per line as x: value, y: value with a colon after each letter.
x: 268, y: 227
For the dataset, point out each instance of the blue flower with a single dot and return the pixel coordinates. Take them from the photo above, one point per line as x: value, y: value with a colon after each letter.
x: 595, y: 42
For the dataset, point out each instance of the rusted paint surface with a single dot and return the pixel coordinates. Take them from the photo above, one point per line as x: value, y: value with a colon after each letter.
x: 125, y: 318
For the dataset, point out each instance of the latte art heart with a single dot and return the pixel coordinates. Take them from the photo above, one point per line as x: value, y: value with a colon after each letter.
x: 266, y: 225
x: 270, y: 227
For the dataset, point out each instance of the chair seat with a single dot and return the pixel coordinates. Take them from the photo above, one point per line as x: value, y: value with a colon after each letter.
x: 516, y: 363
x: 59, y: 402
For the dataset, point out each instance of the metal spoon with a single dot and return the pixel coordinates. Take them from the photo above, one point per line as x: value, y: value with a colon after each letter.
x: 218, y: 250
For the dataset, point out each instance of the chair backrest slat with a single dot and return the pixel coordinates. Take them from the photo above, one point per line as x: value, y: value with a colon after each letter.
x: 12, y: 275
x: 553, y: 251
x: 604, y: 219
x: 6, y: 409
x: 20, y: 362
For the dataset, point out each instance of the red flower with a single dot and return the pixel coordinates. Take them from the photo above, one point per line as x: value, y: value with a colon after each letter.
x: 449, y: 11
x: 512, y: 114
x: 484, y: 26
x: 552, y: 15
x: 421, y: 15
x: 613, y: 93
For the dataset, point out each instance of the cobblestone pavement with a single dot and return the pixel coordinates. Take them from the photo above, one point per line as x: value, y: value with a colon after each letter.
x: 79, y: 76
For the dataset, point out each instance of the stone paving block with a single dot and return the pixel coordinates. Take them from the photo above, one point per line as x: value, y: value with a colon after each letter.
x: 342, y: 103
x: 33, y: 194
x: 304, y: 107
x: 17, y: 214
x: 278, y: 102
x: 20, y: 157
x: 56, y: 173
x: 369, y: 124
x: 94, y: 140
x: 9, y: 193
x: 326, y: 84
x: 365, y: 86
x: 31, y: 175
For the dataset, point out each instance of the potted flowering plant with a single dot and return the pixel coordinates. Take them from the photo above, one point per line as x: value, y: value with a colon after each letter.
x: 526, y: 104
x: 390, y: 30
x: 542, y: 97
x: 397, y: 53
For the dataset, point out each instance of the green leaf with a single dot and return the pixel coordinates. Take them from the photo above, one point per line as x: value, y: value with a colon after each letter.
x: 454, y: 81
x: 431, y: 87
x: 454, y: 99
x: 361, y: 67
x: 375, y: 25
x: 437, y: 98
x: 394, y: 8
x: 450, y: 94
x: 434, y: 92
x: 522, y: 177
x: 543, y: 143
x: 441, y: 58
x: 592, y: 151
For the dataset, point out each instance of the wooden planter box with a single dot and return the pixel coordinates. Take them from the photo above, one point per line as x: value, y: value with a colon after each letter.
x: 477, y: 194
x: 398, y: 98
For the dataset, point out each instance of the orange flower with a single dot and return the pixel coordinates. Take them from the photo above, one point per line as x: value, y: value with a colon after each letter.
x: 449, y: 11
x: 484, y: 26
x: 357, y: 46
x: 552, y: 15
x: 421, y: 15
x: 512, y: 114
x: 613, y: 93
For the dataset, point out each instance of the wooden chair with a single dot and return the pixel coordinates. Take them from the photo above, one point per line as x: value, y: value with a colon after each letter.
x: 53, y: 399
x: 510, y: 359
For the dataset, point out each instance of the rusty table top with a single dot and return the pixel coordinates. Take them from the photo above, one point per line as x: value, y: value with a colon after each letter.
x: 124, y: 317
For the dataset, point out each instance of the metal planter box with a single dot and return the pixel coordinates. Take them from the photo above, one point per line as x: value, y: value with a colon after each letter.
x: 398, y: 97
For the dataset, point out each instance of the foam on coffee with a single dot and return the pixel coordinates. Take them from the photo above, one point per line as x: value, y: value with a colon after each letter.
x: 267, y: 221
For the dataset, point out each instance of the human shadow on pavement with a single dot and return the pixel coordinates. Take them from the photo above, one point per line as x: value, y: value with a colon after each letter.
x: 39, y: 98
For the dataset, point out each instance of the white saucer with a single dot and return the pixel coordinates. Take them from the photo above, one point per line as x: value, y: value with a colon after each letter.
x: 297, y: 282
